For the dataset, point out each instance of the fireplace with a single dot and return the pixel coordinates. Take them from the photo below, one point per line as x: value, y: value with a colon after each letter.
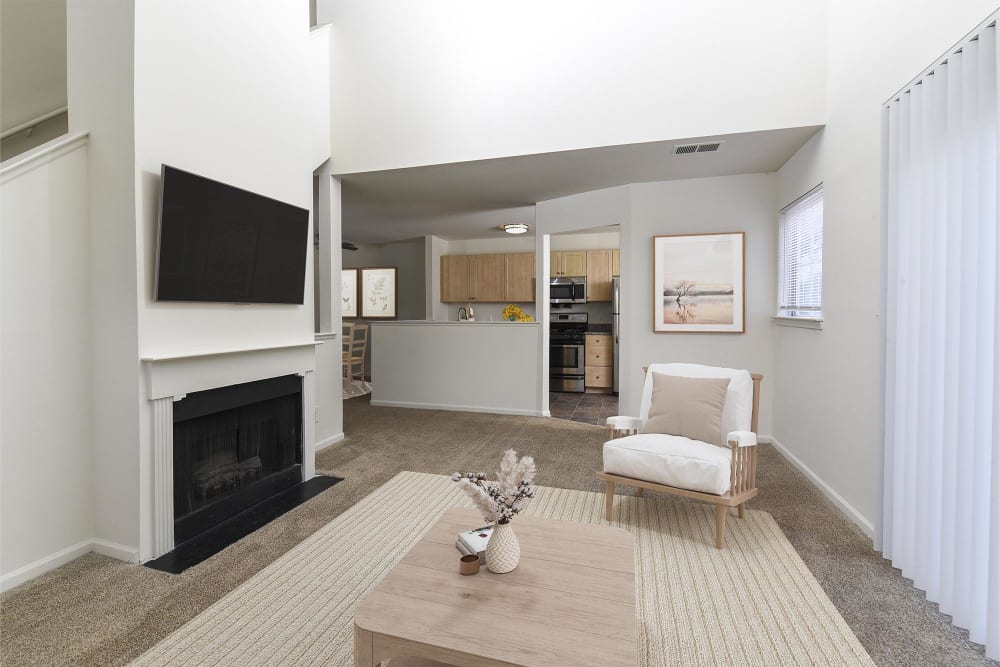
x: 234, y: 447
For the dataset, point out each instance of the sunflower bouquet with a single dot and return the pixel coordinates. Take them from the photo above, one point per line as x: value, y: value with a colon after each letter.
x: 513, y: 313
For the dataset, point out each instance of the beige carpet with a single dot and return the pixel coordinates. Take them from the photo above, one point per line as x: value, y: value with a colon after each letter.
x: 754, y: 603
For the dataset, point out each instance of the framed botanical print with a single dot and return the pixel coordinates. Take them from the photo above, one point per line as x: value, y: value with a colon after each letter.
x: 378, y: 293
x: 349, y: 292
x: 699, y: 283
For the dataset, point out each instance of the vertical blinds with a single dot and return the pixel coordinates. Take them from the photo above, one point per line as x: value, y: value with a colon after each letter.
x: 940, y: 521
x: 802, y: 254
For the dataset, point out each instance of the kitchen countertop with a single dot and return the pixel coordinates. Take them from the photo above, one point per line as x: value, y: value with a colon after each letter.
x: 604, y: 328
x: 451, y: 323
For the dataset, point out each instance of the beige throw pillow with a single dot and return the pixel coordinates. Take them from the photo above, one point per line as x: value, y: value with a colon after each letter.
x: 691, y: 407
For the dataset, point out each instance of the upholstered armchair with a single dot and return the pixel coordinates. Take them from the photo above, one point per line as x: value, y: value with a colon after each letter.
x: 656, y: 450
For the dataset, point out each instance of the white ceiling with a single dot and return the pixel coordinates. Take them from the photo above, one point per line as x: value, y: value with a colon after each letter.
x: 469, y: 200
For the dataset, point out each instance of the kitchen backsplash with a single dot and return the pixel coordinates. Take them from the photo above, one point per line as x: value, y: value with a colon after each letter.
x: 600, y: 312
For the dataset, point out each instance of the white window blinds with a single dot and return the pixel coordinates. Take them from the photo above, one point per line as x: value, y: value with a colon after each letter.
x: 801, y: 256
x: 940, y: 519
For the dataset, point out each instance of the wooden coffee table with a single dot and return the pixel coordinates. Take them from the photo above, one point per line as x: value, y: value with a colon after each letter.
x: 571, y: 600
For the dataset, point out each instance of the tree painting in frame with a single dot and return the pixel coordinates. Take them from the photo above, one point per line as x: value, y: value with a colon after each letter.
x: 699, y: 283
x: 349, y: 293
x: 378, y: 293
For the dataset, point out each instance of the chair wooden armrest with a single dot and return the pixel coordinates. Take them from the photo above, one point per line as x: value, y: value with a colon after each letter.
x: 743, y: 471
x: 623, y: 426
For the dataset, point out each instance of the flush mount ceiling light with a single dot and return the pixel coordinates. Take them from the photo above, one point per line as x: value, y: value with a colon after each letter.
x: 516, y: 228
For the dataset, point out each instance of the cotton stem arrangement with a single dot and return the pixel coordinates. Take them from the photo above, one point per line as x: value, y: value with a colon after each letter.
x: 499, y: 501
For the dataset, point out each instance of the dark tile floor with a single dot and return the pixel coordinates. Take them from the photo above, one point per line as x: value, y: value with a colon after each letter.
x: 584, y: 408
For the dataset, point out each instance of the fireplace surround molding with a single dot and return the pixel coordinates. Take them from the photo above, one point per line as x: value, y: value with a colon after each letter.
x: 169, y: 378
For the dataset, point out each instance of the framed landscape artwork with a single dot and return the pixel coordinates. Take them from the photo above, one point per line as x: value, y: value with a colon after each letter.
x: 699, y: 283
x: 378, y: 293
x: 349, y: 292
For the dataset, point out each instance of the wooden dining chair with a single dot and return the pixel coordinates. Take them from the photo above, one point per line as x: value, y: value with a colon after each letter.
x: 359, y: 349
x: 347, y: 347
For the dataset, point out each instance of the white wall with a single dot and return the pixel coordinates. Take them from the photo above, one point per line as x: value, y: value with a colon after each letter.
x: 32, y: 59
x: 329, y: 367
x: 448, y: 81
x: 319, y: 93
x: 211, y: 99
x: 434, y: 247
x: 434, y: 365
x: 99, y: 85
x: 46, y: 457
x: 504, y: 244
x: 725, y: 204
x: 408, y: 258
x: 827, y: 412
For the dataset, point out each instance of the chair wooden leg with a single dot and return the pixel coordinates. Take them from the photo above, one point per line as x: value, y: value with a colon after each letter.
x: 609, y: 498
x: 742, y: 507
x: 720, y: 525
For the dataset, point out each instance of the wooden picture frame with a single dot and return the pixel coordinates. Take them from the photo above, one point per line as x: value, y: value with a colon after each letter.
x: 699, y: 283
x: 379, y: 290
x: 349, y: 293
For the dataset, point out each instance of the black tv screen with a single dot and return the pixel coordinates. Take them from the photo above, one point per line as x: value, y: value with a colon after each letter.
x: 221, y: 243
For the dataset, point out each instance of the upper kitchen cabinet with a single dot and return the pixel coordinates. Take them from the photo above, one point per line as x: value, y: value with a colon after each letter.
x: 568, y: 263
x: 490, y: 272
x: 599, y: 271
x: 456, y: 278
x: 520, y: 284
x: 487, y: 278
x: 616, y: 262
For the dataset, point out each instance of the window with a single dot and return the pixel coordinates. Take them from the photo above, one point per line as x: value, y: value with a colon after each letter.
x: 800, y: 257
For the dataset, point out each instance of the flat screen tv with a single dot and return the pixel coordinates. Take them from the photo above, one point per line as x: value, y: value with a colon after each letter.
x: 221, y: 243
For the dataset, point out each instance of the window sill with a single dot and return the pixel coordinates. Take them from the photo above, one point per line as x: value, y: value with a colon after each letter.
x: 799, y: 322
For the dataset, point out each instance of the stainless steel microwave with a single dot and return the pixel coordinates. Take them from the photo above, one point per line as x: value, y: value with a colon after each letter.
x: 568, y: 290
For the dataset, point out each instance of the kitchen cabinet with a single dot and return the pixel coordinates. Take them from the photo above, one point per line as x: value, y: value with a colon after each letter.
x: 520, y: 283
x: 599, y: 275
x: 456, y: 278
x: 568, y: 263
x: 599, y: 363
x: 616, y: 262
x: 490, y: 273
x: 492, y: 278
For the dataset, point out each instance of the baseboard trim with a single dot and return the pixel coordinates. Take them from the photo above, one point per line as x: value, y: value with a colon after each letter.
x: 457, y: 408
x: 28, y: 572
x: 114, y: 550
x: 328, y: 442
x: 847, y: 508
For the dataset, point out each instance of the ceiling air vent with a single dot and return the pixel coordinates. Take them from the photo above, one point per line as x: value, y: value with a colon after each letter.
x: 687, y: 149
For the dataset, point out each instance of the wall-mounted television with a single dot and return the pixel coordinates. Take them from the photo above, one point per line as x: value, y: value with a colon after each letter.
x: 220, y: 243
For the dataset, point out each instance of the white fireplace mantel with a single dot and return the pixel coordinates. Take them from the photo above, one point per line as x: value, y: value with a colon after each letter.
x: 178, y: 374
x: 170, y: 378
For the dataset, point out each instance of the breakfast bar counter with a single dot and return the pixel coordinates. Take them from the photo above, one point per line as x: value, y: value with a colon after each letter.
x: 468, y: 366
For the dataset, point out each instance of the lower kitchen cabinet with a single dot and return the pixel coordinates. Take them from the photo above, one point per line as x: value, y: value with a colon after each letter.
x: 599, y: 370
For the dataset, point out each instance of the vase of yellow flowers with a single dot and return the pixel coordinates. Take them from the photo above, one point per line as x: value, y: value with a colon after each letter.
x: 513, y: 313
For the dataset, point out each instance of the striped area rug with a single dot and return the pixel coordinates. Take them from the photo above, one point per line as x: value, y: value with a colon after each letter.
x: 753, y: 603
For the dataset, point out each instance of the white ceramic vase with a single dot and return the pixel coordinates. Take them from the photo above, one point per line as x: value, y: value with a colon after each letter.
x: 503, y: 551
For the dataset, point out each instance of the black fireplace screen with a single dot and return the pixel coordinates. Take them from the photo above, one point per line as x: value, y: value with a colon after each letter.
x: 230, y: 454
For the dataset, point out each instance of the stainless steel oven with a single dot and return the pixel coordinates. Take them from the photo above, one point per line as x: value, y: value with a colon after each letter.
x: 568, y: 290
x: 567, y: 355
